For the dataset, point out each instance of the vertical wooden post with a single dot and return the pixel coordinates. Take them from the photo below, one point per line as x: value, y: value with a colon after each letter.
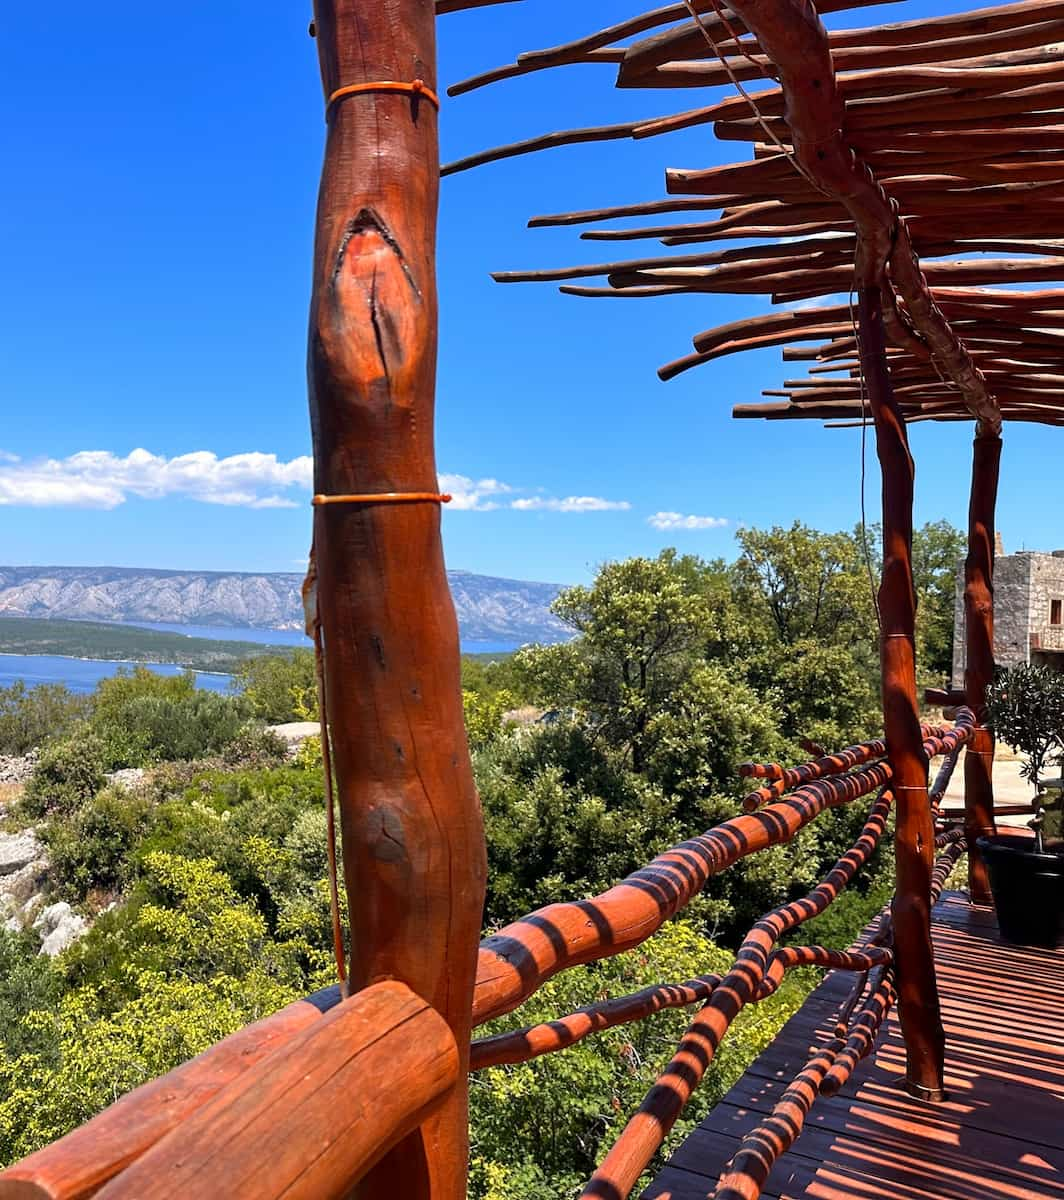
x: 979, y: 655
x: 914, y: 841
x: 413, y: 845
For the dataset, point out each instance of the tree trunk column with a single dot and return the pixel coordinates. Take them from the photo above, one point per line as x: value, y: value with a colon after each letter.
x: 914, y: 842
x: 979, y: 656
x: 413, y: 845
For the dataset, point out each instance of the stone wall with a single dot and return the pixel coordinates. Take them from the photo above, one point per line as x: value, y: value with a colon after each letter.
x: 1025, y: 584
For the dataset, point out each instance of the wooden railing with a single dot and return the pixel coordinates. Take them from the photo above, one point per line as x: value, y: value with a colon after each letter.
x: 303, y: 1103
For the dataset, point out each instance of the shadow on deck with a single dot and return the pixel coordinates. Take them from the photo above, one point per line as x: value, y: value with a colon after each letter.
x: 999, y: 1135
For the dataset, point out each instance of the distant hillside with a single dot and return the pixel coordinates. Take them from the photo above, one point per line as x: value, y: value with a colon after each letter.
x: 124, y: 643
x: 488, y: 609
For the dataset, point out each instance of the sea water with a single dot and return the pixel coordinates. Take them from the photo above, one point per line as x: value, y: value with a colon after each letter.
x: 83, y: 674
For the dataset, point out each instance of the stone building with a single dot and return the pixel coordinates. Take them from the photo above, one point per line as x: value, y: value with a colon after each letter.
x: 1028, y: 610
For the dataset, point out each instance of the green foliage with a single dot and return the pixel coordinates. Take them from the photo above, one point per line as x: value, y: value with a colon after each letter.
x: 143, y: 717
x: 639, y: 624
x: 28, y: 983
x: 281, y: 687
x: 67, y: 774
x: 90, y: 1054
x: 254, y: 746
x: 484, y: 714
x: 937, y: 548
x: 91, y: 847
x: 488, y: 674
x: 30, y: 717
x: 563, y: 818
x: 1025, y: 708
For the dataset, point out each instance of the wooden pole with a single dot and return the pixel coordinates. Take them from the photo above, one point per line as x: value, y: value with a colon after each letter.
x: 918, y: 1004
x: 979, y: 656
x: 413, y: 843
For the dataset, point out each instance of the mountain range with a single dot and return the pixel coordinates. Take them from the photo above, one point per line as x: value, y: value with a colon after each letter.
x: 489, y: 609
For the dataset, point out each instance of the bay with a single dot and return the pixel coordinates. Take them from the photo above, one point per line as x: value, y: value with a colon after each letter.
x: 83, y: 674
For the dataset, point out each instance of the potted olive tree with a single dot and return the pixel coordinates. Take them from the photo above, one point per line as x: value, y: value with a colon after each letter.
x: 1025, y: 709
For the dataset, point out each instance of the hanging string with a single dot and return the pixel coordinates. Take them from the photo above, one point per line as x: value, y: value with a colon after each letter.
x: 313, y: 625
x: 312, y: 619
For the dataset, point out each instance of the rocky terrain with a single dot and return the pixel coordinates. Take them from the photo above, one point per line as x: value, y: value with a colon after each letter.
x: 489, y: 609
x: 24, y: 869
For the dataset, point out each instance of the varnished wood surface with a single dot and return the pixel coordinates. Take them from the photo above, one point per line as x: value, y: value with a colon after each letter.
x: 1000, y: 1134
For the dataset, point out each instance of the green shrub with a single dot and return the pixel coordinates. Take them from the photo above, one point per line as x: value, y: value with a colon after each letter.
x: 28, y: 981
x: 91, y: 848
x: 67, y: 774
x: 30, y: 717
x: 1025, y: 708
x: 142, y: 717
x: 254, y: 747
x: 281, y: 687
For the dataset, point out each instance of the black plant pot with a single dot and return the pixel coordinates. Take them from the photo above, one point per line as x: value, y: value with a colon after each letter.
x: 1028, y: 889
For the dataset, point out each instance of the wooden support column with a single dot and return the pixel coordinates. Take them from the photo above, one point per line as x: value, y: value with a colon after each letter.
x: 979, y: 655
x: 918, y: 1003
x: 413, y: 844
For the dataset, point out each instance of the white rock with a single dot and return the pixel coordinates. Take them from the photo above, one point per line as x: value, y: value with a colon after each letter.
x: 59, y: 927
x: 17, y: 769
x: 18, y: 888
x: 294, y: 732
x: 64, y: 934
x: 18, y: 850
x: 127, y: 777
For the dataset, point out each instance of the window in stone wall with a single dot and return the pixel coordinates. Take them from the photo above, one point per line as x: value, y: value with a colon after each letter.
x: 1054, y: 612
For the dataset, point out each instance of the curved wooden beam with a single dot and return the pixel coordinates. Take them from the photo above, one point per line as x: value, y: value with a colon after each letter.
x: 309, y: 1121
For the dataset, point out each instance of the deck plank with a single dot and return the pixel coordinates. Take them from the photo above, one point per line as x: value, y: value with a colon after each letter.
x: 999, y: 1135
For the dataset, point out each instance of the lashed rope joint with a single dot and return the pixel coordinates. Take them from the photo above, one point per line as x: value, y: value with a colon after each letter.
x: 417, y: 88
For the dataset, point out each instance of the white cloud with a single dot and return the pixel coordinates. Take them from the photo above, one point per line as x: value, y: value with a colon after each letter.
x: 473, y: 495
x: 675, y: 520
x: 103, y: 480
x: 569, y: 504
x: 100, y: 479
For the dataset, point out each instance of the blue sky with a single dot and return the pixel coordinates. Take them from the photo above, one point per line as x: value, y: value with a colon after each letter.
x: 159, y: 198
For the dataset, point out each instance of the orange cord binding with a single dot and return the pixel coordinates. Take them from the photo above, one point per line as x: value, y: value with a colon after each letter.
x: 417, y: 88
x: 383, y: 498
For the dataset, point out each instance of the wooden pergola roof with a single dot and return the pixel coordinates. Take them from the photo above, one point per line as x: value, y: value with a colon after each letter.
x: 925, y: 157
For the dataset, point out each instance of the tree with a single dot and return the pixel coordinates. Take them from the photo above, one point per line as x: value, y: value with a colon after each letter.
x: 937, y: 550
x: 641, y: 628
x: 29, y: 717
x: 1025, y: 708
x: 810, y: 585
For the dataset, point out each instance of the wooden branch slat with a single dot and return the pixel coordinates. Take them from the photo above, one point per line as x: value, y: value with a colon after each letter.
x: 980, y: 52
x: 688, y: 43
x: 521, y: 1045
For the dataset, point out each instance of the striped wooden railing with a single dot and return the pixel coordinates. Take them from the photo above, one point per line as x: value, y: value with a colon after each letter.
x: 303, y: 1103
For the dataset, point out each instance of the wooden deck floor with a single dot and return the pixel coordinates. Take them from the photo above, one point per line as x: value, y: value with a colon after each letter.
x: 1000, y: 1135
